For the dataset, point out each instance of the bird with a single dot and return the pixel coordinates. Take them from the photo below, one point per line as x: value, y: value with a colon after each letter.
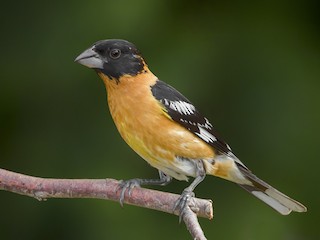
x: 166, y: 129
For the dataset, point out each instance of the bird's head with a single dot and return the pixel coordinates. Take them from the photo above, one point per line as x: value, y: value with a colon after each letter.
x: 114, y: 58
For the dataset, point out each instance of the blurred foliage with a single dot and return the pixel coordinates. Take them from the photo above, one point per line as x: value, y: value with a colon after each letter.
x: 252, y: 68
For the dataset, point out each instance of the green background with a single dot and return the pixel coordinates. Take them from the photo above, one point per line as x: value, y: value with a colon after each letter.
x: 252, y: 68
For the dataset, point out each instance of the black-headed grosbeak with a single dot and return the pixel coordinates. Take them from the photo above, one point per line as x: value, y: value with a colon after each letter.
x: 166, y: 129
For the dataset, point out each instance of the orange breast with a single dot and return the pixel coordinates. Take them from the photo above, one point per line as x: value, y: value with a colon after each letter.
x: 144, y: 125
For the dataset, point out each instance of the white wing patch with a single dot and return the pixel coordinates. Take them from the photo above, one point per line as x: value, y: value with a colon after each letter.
x: 185, y: 108
x: 180, y: 106
x: 205, y: 135
x: 207, y: 124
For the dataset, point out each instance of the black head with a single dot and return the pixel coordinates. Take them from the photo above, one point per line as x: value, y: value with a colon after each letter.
x: 113, y: 58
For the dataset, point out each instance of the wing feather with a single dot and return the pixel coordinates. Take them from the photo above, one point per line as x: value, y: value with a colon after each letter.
x: 182, y: 111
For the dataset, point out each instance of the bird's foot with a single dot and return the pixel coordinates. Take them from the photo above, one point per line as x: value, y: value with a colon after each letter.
x: 183, y: 202
x: 127, y: 186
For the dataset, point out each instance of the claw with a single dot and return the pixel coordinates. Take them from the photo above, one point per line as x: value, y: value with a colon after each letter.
x: 127, y: 186
x: 182, y: 203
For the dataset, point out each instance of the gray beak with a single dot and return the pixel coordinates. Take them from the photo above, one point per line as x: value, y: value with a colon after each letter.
x: 90, y: 59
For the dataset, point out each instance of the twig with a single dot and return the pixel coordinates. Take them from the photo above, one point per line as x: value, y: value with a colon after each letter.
x: 108, y: 189
x: 191, y: 221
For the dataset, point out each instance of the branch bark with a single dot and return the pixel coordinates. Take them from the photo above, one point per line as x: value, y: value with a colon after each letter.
x: 108, y: 189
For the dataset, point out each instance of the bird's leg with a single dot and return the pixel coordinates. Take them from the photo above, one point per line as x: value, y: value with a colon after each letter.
x: 128, y: 185
x: 188, y: 193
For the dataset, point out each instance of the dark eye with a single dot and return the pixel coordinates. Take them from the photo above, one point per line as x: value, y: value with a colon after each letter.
x: 115, y: 53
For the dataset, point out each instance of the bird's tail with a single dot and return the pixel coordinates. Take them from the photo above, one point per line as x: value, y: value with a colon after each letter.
x: 271, y: 196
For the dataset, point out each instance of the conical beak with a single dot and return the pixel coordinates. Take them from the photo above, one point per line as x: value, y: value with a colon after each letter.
x: 90, y: 59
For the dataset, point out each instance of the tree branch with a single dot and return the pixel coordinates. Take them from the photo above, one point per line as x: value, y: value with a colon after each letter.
x: 108, y: 189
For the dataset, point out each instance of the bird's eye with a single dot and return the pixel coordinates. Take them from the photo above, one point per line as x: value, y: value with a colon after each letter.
x: 115, y: 53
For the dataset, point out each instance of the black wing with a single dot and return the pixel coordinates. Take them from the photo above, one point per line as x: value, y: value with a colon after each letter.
x: 181, y: 110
